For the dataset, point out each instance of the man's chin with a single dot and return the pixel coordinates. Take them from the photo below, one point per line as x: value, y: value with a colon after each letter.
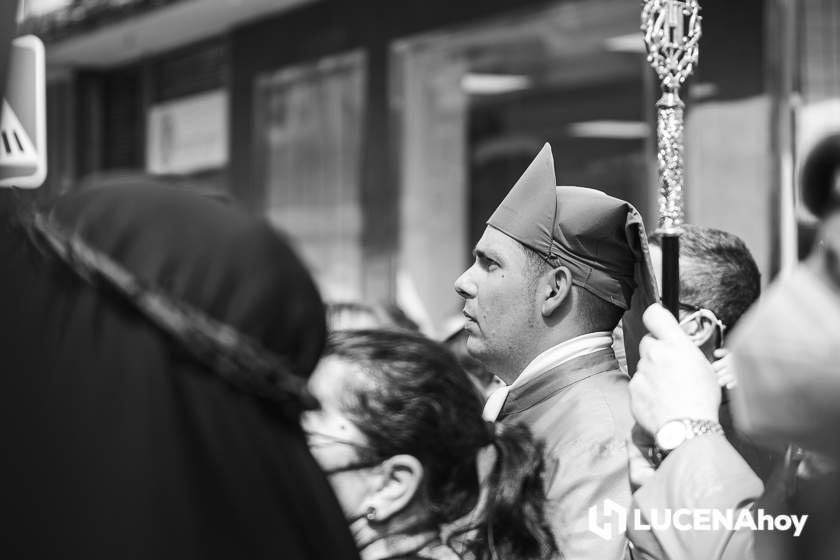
x: 475, y: 344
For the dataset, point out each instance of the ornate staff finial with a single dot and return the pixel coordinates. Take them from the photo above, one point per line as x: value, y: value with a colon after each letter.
x: 671, y: 32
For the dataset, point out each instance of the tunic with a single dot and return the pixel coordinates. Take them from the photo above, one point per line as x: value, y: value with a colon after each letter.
x: 581, y: 410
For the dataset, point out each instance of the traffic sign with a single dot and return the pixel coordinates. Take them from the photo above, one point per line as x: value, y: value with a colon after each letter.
x: 23, y: 128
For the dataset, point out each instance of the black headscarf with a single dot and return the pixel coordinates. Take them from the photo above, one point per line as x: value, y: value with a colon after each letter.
x: 117, y: 442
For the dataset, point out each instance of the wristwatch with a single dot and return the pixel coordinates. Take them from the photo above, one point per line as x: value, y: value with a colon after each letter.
x: 676, y: 432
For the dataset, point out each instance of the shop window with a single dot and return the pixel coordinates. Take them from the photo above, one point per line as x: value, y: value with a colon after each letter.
x: 309, y: 131
x: 475, y: 105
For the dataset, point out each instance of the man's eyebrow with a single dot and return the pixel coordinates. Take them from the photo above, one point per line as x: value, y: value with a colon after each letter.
x: 484, y: 255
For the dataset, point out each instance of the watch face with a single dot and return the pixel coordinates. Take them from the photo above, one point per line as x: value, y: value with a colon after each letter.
x: 671, y: 435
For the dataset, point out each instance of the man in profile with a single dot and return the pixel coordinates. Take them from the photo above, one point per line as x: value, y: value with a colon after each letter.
x: 554, y: 272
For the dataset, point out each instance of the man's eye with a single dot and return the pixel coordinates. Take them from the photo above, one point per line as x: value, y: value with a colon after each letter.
x: 489, y: 263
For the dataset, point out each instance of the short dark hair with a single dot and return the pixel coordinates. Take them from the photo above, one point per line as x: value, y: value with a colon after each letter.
x: 535, y: 263
x: 717, y: 272
x: 599, y: 314
x: 595, y: 313
x: 412, y: 397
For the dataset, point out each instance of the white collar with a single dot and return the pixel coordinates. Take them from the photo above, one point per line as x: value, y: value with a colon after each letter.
x: 545, y: 362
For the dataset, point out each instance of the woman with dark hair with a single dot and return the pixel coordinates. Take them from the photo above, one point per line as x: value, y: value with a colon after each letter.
x: 400, y: 435
x: 156, y: 345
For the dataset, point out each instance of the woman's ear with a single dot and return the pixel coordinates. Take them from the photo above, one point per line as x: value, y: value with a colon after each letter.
x: 556, y: 290
x: 402, y: 476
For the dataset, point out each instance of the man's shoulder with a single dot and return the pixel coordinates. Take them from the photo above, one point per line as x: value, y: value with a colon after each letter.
x: 613, y: 381
x: 585, y: 377
x: 595, y: 394
x: 593, y: 412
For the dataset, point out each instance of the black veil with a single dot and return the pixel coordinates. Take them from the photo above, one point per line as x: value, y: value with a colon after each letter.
x: 117, y: 442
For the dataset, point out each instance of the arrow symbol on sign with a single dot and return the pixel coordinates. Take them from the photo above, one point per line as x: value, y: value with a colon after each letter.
x: 16, y: 148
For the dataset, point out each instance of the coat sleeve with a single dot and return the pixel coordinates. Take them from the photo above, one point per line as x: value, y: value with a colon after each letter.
x: 585, y: 477
x: 703, y: 473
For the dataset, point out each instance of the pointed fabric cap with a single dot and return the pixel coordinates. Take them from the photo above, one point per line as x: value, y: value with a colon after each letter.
x: 527, y: 212
x: 599, y: 238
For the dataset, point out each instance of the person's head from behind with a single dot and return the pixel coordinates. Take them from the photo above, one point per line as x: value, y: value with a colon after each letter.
x: 356, y: 315
x: 553, y: 263
x: 719, y: 281
x: 176, y: 333
x: 352, y: 315
x: 397, y: 317
x: 398, y: 434
x: 820, y: 178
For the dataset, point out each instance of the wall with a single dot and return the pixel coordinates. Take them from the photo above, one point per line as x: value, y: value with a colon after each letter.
x: 729, y: 152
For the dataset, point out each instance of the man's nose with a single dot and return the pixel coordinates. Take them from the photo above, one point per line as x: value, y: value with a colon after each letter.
x: 464, y: 285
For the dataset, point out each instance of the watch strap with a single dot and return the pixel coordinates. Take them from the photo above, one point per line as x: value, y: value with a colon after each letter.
x: 696, y: 427
x: 693, y: 428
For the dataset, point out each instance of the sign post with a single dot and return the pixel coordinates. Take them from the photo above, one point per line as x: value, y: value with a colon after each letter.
x: 23, y: 128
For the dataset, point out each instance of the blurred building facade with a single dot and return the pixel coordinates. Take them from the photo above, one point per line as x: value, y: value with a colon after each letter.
x: 380, y: 135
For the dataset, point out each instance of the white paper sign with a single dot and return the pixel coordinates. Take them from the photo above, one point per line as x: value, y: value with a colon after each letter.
x: 188, y: 134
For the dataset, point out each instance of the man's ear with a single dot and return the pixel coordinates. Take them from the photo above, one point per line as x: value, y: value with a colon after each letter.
x: 702, y: 331
x: 557, y: 288
x: 402, y: 476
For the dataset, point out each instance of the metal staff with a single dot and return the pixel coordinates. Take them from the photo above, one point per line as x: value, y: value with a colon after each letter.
x: 671, y: 31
